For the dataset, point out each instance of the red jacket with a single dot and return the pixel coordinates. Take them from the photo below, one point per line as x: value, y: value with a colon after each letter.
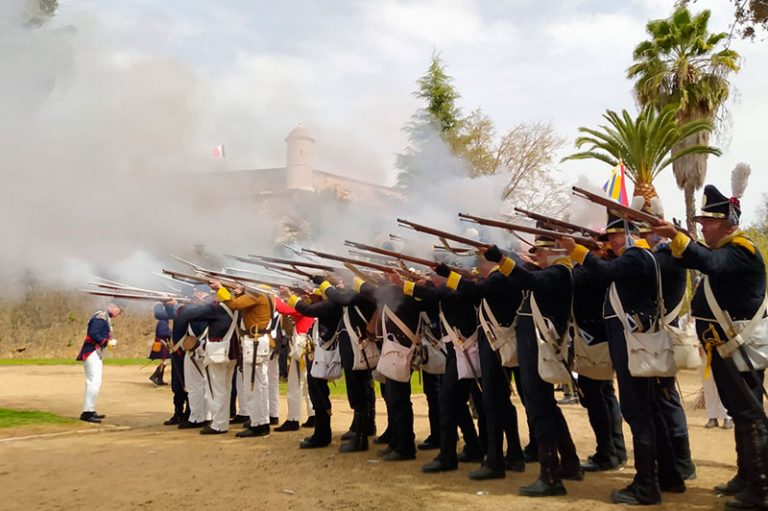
x: 303, y: 323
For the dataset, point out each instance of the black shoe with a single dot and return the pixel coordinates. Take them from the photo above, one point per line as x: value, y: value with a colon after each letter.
x: 672, y: 487
x: 381, y: 439
x: 89, y: 417
x: 98, y: 415
x: 540, y: 488
x: 630, y: 495
x: 353, y: 447
x: 349, y: 435
x: 246, y: 423
x: 191, y: 425
x: 383, y: 452
x: 514, y: 465
x: 530, y: 455
x: 312, y: 443
x: 309, y: 423
x: 262, y: 430
x: 273, y: 421
x: 576, y: 474
x: 483, y: 473
x: 732, y: 487
x: 595, y: 464
x: 438, y: 465
x: 396, y: 456
x: 469, y: 456
x: 173, y: 421
x: 208, y: 430
x: 288, y: 426
x: 247, y: 433
x: 428, y: 445
x: 746, y: 501
x: 238, y: 419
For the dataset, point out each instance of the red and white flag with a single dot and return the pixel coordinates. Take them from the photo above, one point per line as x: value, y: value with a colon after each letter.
x: 218, y: 151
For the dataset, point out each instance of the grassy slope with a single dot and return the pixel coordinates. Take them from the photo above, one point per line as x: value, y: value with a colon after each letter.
x: 12, y: 418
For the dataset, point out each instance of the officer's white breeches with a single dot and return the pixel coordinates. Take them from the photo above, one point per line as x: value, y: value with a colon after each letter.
x: 93, y: 370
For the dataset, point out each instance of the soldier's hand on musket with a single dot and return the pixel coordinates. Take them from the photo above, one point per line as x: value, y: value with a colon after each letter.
x: 567, y: 243
x: 317, y: 279
x: 169, y: 301
x: 443, y: 270
x: 666, y: 229
x: 239, y: 289
x: 491, y: 253
x: 214, y: 284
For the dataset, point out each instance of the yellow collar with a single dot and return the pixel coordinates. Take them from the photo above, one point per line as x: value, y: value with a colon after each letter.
x: 729, y: 238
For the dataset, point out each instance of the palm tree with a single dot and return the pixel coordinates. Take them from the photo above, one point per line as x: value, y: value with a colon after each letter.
x: 681, y: 65
x: 643, y: 144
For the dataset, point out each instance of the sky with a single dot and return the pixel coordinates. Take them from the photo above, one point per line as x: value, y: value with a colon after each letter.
x: 109, y: 94
x: 346, y: 69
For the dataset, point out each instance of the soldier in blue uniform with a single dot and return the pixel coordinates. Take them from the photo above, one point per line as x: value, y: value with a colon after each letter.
x: 552, y: 289
x: 183, y: 415
x: 735, y: 271
x: 633, y: 272
x: 503, y: 297
x: 98, y: 336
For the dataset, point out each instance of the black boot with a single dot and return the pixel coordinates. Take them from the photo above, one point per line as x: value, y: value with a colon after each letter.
x: 570, y: 464
x: 90, y: 417
x: 157, y: 376
x: 531, y: 452
x: 360, y: 441
x: 288, y: 426
x: 549, y: 483
x: 483, y: 473
x: 682, y: 450
x: 739, y: 482
x: 173, y: 421
x: 322, y: 435
x: 350, y: 433
x: 644, y: 490
x: 755, y: 495
x: 439, y: 464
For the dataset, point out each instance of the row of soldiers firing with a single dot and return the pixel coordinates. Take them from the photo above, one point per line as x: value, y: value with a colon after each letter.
x: 604, y: 307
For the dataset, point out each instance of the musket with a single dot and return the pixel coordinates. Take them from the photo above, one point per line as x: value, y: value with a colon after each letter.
x: 131, y: 289
x: 133, y: 296
x: 288, y: 262
x: 237, y: 280
x: 351, y: 260
x: 587, y: 242
x: 625, y: 211
x: 554, y: 222
x: 441, y: 234
x: 404, y: 257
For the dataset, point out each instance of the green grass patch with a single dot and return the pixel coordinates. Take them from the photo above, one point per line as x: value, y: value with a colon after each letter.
x: 72, y: 361
x: 11, y: 418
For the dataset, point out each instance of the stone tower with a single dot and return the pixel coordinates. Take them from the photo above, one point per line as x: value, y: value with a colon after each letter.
x: 299, y: 159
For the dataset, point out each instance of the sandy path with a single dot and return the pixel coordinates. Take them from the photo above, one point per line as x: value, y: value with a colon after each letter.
x: 147, y: 466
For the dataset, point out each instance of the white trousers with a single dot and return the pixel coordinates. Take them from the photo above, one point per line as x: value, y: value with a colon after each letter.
x: 220, y: 376
x: 243, y: 405
x: 258, y: 396
x: 297, y: 387
x: 93, y: 370
x: 273, y: 376
x: 194, y: 384
x: 715, y: 408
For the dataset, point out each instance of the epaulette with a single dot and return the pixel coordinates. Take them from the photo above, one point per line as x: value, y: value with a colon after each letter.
x: 741, y: 241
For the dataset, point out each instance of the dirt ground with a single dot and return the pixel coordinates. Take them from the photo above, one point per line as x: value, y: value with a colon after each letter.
x: 133, y: 462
